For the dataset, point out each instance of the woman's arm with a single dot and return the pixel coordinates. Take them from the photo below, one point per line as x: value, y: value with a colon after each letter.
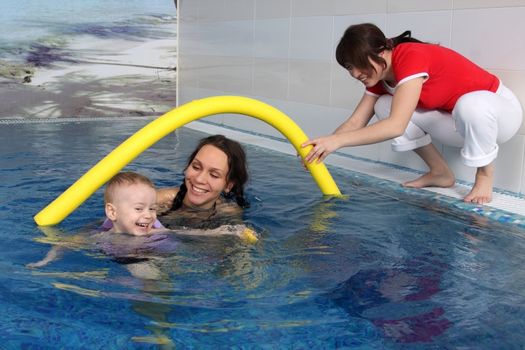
x: 245, y: 233
x: 361, y: 115
x: 359, y: 119
x: 404, y: 103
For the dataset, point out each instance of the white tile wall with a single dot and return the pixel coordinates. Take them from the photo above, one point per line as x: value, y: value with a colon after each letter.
x: 500, y: 47
x: 272, y: 38
x: 205, y: 10
x: 344, y: 91
x: 476, y: 4
x: 249, y: 123
x: 232, y: 75
x: 311, y: 38
x: 282, y: 52
x: 310, y: 82
x: 267, y: 9
x: 431, y: 26
x: 239, y: 9
x: 302, y: 8
x: 217, y: 38
x: 352, y: 7
x: 270, y: 77
x: 508, y: 166
x: 417, y: 6
x: 310, y: 117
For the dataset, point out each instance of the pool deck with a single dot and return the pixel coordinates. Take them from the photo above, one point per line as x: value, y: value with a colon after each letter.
x: 505, y: 207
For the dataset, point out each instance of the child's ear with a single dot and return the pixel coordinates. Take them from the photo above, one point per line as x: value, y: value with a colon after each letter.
x: 111, y: 211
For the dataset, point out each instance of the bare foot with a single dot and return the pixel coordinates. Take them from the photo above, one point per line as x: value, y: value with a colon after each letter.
x: 444, y: 179
x: 481, y: 192
x: 439, y: 174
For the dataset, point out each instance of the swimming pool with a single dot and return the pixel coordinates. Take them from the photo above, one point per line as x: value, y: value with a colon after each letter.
x: 379, y: 269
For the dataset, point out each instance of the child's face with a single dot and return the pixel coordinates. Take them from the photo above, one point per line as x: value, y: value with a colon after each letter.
x: 134, y: 209
x: 206, y: 177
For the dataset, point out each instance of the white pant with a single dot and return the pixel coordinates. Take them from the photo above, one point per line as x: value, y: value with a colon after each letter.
x: 479, y: 122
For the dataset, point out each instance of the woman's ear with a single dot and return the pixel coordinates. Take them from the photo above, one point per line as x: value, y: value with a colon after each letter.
x: 111, y: 211
x: 229, y: 187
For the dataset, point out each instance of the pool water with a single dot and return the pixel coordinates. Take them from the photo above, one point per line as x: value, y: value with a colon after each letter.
x: 379, y: 269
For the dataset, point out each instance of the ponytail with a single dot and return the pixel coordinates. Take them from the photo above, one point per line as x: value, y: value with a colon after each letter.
x: 238, y: 193
x: 242, y: 202
x: 405, y: 37
x: 177, y: 201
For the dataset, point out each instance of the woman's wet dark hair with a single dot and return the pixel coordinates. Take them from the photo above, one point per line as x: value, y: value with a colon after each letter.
x: 361, y: 41
x: 237, y: 169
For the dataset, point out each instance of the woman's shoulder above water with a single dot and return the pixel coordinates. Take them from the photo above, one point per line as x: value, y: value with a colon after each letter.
x: 165, y: 198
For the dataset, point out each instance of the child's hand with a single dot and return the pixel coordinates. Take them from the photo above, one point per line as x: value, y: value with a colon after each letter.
x: 38, y: 264
x: 53, y: 254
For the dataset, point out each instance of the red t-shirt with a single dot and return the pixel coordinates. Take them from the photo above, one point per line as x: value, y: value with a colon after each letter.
x: 450, y: 75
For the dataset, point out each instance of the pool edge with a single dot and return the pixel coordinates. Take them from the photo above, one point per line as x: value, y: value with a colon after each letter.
x: 505, y: 207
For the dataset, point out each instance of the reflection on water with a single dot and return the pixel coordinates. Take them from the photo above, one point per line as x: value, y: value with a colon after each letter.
x: 398, y: 301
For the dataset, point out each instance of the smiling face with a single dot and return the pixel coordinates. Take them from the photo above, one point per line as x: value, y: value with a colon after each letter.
x: 369, y: 77
x: 206, y: 177
x: 133, y: 209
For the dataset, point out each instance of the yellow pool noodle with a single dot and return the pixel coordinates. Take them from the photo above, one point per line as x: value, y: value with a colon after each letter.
x: 110, y: 165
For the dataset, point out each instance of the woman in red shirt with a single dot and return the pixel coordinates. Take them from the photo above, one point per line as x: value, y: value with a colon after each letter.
x: 420, y: 91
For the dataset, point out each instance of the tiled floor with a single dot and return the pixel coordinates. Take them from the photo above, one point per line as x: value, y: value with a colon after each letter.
x: 504, y: 207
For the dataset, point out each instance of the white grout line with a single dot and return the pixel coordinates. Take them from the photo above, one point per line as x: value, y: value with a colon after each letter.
x: 500, y: 201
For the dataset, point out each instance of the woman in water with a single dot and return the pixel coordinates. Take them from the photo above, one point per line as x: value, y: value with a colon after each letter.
x: 212, y: 192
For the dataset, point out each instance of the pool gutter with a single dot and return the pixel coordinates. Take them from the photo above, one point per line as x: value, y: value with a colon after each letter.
x: 505, y: 207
